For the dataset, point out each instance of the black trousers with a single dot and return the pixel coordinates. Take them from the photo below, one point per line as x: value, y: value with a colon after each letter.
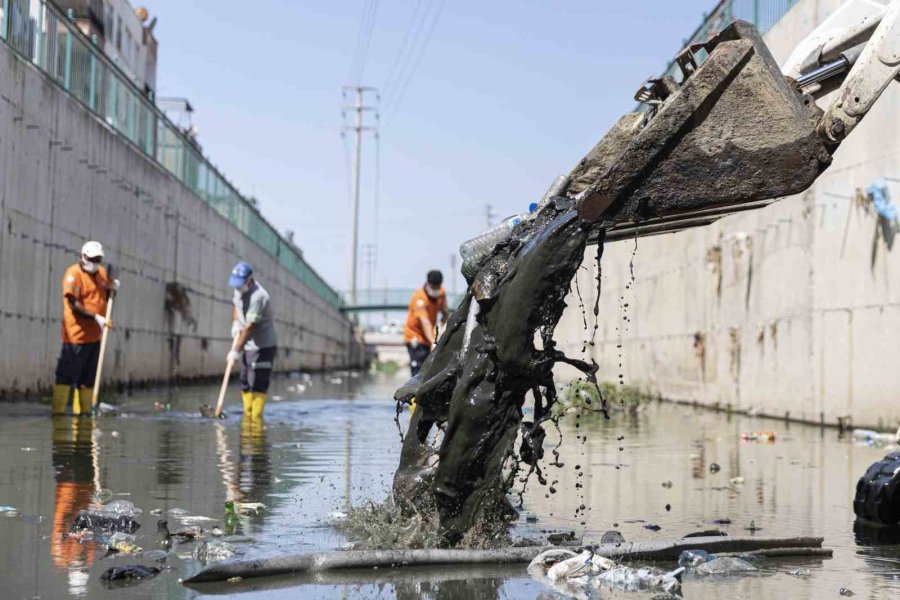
x: 417, y: 355
x: 77, y: 364
x: 256, y: 369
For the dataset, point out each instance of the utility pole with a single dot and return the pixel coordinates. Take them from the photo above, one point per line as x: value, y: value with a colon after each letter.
x: 358, y: 128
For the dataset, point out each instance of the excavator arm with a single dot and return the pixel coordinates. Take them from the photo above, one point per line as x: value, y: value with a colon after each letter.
x: 731, y: 130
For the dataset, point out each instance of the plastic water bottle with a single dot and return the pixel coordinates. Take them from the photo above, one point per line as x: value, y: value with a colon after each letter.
x: 475, y: 250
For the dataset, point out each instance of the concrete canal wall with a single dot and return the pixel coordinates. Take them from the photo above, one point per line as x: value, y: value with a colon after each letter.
x: 792, y: 310
x: 65, y: 177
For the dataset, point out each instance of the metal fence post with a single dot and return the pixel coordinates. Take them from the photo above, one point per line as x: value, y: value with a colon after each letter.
x: 4, y: 25
x: 39, y: 36
x: 67, y: 75
x: 92, y: 86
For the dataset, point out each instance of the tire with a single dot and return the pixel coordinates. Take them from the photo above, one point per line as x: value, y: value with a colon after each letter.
x: 878, y: 492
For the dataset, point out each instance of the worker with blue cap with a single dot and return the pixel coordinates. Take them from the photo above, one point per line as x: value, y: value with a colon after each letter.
x: 255, y: 342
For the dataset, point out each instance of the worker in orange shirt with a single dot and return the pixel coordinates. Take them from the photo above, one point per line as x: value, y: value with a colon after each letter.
x: 424, y: 306
x: 86, y: 289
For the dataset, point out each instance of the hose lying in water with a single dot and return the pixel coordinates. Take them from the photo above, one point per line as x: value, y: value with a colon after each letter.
x: 367, y: 559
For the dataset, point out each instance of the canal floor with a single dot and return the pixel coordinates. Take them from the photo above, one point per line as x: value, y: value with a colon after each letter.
x: 332, y: 440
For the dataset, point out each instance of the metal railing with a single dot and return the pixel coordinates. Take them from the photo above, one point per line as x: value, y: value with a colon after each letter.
x: 41, y: 33
x: 764, y: 14
x: 392, y: 299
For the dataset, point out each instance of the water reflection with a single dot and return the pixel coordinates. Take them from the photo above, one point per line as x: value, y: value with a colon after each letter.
x: 75, y: 471
x: 312, y: 453
x: 254, y: 475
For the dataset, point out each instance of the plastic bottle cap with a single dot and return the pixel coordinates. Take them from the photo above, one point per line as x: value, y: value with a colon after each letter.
x: 532, y: 207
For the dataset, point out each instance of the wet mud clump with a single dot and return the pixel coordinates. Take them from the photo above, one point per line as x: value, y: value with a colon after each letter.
x: 469, y: 394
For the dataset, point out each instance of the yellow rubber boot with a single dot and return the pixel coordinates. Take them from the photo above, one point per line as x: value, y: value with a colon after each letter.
x: 60, y: 399
x: 259, y: 404
x: 81, y: 401
x: 247, y: 397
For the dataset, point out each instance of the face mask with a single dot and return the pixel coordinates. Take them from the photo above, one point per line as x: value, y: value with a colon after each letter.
x: 88, y: 266
x: 432, y: 292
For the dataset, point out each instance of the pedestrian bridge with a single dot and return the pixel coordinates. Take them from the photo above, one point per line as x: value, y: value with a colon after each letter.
x: 386, y: 299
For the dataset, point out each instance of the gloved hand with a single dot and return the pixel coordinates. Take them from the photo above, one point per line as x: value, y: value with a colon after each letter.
x: 101, y: 321
x: 233, y: 356
x: 115, y: 284
x: 235, y: 328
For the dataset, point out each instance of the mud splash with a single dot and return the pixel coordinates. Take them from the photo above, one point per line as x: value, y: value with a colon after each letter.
x: 458, y: 460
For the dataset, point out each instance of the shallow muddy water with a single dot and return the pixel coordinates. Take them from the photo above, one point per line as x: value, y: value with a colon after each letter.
x: 336, y: 443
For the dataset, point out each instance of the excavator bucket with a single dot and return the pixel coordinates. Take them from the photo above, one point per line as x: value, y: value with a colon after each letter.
x: 733, y: 134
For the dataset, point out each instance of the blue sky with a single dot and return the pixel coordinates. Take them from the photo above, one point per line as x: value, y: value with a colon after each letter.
x: 506, y: 96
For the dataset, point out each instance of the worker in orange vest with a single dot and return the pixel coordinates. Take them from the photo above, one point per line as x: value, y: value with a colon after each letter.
x: 424, y: 306
x: 86, y: 287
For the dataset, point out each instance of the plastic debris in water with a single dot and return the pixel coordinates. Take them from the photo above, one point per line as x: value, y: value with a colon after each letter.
x: 122, y: 543
x: 250, y: 508
x: 120, y: 507
x: 800, y: 573
x: 692, y: 558
x: 642, y: 579
x: 723, y: 565
x: 129, y: 573
x: 159, y: 556
x: 105, y: 523
x: 714, y: 468
x: 737, y: 481
x: 9, y: 511
x: 209, y: 552
x: 758, y: 436
x: 845, y: 592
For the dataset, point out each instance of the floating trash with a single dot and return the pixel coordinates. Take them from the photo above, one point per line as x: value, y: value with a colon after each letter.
x: 802, y: 573
x: 129, y: 573
x: 250, y: 508
x: 99, y: 522
x: 714, y: 468
x: 758, y: 436
x: 122, y: 543
x: 120, y: 507
x: 9, y: 511
x: 213, y: 551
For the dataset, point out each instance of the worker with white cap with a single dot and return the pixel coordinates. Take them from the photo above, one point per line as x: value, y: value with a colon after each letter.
x: 86, y: 287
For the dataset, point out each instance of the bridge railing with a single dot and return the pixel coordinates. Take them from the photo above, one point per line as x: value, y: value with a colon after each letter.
x: 388, y: 299
x: 41, y: 33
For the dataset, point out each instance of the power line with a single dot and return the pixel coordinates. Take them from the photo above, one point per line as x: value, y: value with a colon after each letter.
x: 363, y: 39
x: 404, y: 48
x: 399, y: 96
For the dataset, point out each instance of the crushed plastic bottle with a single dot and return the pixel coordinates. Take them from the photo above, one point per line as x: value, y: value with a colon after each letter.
x: 723, y: 565
x: 474, y: 251
x: 120, y: 507
x: 642, y: 579
x: 692, y: 558
x: 250, y: 508
x: 213, y: 551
